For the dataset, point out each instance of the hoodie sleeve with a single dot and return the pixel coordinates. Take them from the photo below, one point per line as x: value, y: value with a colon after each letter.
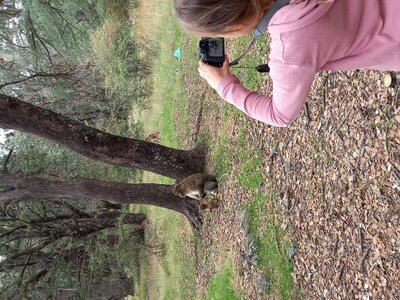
x: 291, y: 85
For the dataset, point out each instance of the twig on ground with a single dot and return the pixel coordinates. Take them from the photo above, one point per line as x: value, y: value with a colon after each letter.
x: 307, y: 113
x: 385, y: 145
x: 341, y: 273
x: 323, y: 191
x: 344, y: 120
x: 361, y: 151
x: 361, y: 234
x: 363, y: 258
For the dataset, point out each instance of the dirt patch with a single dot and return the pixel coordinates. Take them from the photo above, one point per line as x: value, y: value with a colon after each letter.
x: 338, y: 166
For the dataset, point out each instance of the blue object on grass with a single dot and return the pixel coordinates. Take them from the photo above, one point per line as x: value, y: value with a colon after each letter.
x: 177, y: 53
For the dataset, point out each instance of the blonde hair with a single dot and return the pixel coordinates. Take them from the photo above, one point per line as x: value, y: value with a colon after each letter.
x: 218, y: 16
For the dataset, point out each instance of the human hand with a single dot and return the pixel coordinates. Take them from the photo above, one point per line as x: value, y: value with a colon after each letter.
x: 214, y: 75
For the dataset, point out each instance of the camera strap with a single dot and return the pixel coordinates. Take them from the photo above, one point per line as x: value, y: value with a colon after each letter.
x: 262, y: 27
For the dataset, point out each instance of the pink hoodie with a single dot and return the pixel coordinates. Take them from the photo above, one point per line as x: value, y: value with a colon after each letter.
x: 312, y: 35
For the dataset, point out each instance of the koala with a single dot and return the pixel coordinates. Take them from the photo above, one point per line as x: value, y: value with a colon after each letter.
x: 196, y: 186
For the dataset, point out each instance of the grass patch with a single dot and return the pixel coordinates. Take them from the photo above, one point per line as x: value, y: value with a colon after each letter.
x: 226, y: 110
x: 272, y: 246
x: 117, y: 8
x: 168, y: 270
x: 251, y: 162
x: 272, y: 242
x: 140, y: 279
x: 222, y: 157
x: 246, y: 71
x: 220, y: 287
x: 250, y: 177
x: 168, y: 92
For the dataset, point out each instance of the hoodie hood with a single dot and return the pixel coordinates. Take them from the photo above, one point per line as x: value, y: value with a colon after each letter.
x: 298, y: 14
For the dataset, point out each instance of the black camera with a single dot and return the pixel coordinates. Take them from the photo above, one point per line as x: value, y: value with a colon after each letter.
x: 212, y: 51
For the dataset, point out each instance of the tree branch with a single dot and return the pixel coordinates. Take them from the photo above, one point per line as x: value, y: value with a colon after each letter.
x: 21, y: 277
x: 39, y: 74
x: 10, y: 41
x: 8, y: 233
x: 36, y: 36
x: 34, y: 279
x: 7, y: 160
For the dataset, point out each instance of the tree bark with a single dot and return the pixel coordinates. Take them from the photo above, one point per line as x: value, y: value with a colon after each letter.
x: 99, y: 145
x: 16, y: 188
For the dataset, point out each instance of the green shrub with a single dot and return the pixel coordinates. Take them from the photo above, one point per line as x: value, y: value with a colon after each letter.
x: 115, y: 53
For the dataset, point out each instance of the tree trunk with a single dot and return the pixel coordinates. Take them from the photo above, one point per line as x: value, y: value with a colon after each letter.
x: 99, y: 145
x: 15, y: 188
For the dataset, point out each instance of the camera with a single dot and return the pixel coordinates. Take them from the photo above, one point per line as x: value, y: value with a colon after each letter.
x: 212, y: 51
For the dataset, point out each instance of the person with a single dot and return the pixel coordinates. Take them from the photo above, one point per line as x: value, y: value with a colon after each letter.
x: 306, y: 36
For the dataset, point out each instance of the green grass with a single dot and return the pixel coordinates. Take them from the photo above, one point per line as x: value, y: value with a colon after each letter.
x: 168, y: 281
x: 168, y: 92
x: 220, y: 287
x: 251, y: 162
x: 222, y: 157
x: 250, y: 176
x: 272, y: 244
x: 226, y: 109
x: 246, y: 71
